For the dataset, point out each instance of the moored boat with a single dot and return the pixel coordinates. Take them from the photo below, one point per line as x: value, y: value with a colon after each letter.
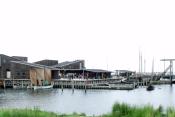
x: 150, y: 88
x: 43, y: 87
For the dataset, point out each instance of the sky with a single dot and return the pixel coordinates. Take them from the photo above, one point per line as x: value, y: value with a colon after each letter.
x: 107, y: 34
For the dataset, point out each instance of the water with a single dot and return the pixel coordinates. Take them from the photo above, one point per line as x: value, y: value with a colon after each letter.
x: 92, y: 102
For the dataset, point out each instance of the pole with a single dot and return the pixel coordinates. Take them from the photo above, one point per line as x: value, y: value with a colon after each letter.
x: 62, y: 86
x: 42, y: 81
x: 83, y: 73
x: 141, y: 63
x: 4, y: 84
x: 164, y: 65
x: 144, y: 65
x: 72, y: 86
x: 171, y: 72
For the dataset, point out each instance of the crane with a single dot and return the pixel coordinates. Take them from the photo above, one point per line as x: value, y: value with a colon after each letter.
x: 170, y: 67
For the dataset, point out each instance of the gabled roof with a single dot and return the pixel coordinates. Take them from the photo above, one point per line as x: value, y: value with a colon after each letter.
x: 46, y: 60
x: 59, y: 65
x: 34, y: 65
x: 17, y: 59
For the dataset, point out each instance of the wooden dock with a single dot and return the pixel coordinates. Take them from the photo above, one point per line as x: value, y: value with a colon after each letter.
x: 111, y: 83
x: 16, y: 83
x: 92, y: 84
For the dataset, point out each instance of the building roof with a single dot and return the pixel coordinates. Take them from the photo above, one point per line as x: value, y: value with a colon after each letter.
x: 98, y: 70
x: 46, y: 60
x: 21, y: 58
x: 62, y: 64
x: 34, y: 65
x: 124, y: 71
x: 13, y: 57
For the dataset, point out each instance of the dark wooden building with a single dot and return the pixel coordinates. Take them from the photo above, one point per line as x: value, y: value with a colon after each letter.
x: 37, y: 73
x: 9, y: 70
x: 16, y: 67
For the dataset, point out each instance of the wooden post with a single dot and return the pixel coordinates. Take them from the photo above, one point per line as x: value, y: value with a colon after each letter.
x: 72, y: 85
x: 85, y: 86
x: 13, y: 83
x: 4, y: 84
x: 62, y: 86
x: 22, y: 84
x: 31, y: 84
x: 83, y: 73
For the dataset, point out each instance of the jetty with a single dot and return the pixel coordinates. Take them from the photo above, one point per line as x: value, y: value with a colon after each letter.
x: 111, y: 83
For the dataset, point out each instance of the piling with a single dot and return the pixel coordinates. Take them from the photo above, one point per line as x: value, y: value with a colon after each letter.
x: 4, y: 84
x: 62, y: 86
x: 72, y: 85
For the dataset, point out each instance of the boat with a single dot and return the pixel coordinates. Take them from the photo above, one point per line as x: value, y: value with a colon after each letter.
x: 150, y: 88
x: 122, y: 86
x: 42, y: 87
x: 168, y: 80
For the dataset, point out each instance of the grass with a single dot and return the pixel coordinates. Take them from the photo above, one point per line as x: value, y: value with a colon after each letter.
x: 118, y: 110
x: 124, y: 110
x: 33, y: 113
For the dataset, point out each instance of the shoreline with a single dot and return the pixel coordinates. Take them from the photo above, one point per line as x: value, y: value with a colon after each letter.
x: 118, y: 110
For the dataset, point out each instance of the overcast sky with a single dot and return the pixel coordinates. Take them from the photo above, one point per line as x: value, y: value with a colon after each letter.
x: 108, y: 34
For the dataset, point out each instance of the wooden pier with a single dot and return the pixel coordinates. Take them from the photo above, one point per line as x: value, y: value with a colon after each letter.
x: 72, y: 83
x: 92, y: 84
x: 16, y: 83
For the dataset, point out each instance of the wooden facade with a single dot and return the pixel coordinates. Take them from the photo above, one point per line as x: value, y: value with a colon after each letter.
x: 9, y: 70
x: 40, y: 77
x: 15, y: 71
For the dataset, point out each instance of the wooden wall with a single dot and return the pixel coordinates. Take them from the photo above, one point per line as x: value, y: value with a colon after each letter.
x: 39, y: 75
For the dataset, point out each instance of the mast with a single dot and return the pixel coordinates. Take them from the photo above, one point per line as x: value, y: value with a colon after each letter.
x: 144, y: 66
x: 141, y: 63
x: 153, y: 66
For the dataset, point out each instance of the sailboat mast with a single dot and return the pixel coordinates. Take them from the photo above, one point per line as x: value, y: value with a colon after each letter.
x: 153, y: 66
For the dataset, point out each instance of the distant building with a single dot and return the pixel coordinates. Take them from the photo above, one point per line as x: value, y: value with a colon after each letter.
x: 124, y: 73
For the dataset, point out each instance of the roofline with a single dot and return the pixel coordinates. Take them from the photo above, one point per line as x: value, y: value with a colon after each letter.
x: 34, y: 65
x: 67, y: 63
x: 100, y: 70
x: 45, y: 60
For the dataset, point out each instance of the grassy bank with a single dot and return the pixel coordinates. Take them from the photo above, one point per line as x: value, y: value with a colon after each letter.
x: 118, y: 110
x: 124, y: 110
x: 33, y: 113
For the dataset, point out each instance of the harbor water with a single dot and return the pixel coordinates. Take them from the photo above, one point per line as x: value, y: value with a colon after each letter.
x: 91, y: 102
